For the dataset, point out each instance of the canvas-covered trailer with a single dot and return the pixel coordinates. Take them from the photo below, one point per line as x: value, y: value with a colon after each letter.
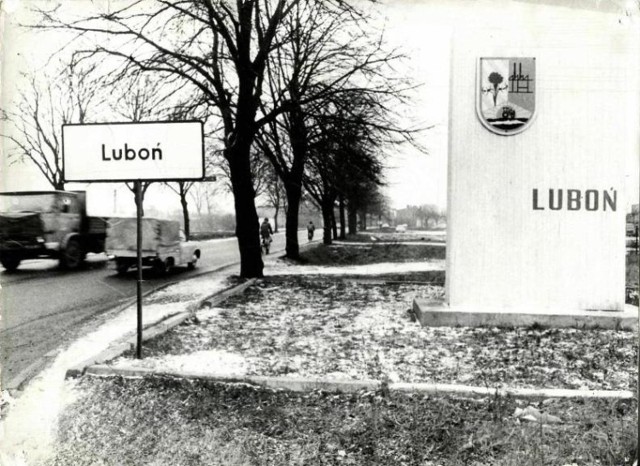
x: 163, y: 244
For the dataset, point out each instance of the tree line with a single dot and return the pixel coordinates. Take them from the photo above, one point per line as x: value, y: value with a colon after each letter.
x: 300, y: 99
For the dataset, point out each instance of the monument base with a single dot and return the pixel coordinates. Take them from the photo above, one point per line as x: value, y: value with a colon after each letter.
x: 438, y: 314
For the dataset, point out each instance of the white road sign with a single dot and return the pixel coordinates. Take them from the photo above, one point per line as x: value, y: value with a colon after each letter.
x: 133, y: 151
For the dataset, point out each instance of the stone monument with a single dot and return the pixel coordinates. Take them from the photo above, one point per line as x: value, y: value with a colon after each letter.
x: 542, y: 120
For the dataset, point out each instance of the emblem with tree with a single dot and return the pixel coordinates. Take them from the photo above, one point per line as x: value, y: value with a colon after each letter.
x: 495, y: 79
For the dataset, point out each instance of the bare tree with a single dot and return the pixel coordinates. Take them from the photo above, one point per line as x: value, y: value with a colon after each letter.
x: 202, y: 196
x: 34, y: 128
x: 274, y: 193
x: 222, y: 49
x: 181, y: 188
x: 139, y: 98
x: 345, y: 154
x: 259, y: 168
x: 428, y: 213
x: 318, y: 66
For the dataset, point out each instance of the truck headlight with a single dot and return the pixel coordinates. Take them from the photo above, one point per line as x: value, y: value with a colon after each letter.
x: 40, y: 239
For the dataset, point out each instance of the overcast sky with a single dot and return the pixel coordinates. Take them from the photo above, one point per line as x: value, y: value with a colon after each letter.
x: 421, y: 27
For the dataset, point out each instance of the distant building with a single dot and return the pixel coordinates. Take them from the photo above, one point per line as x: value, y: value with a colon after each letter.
x: 422, y: 216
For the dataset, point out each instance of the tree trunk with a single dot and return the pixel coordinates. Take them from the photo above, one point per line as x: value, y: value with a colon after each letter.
x: 352, y: 216
x: 334, y: 225
x: 363, y: 221
x: 293, y: 182
x: 327, y: 220
x: 275, y: 218
x: 294, y: 194
x: 247, y: 222
x: 343, y: 233
x: 142, y: 192
x: 185, y: 215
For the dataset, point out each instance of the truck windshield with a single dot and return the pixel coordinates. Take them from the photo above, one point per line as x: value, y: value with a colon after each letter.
x: 27, y: 202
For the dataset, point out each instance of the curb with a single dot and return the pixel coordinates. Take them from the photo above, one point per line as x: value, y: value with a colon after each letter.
x: 128, y: 341
x: 216, y: 298
x: 303, y: 384
x: 514, y: 392
x: 291, y: 384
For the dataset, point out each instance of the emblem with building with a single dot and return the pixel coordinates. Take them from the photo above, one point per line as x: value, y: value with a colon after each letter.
x: 507, y: 94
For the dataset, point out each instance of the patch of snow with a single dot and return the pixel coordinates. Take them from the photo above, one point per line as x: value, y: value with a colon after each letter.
x: 363, y: 244
x: 337, y: 375
x: 369, y: 269
x: 197, y: 288
x: 200, y: 362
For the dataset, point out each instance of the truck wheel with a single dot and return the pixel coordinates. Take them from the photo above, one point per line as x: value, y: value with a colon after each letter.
x: 73, y: 255
x: 121, y: 266
x: 194, y: 260
x: 10, y: 263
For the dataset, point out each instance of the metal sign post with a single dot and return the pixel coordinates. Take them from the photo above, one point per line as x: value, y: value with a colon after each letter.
x: 139, y: 266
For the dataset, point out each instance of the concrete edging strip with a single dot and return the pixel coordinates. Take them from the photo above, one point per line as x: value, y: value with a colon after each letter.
x: 506, y: 391
x: 302, y: 384
x: 217, y: 298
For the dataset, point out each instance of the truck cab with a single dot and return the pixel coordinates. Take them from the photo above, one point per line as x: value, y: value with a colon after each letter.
x: 53, y: 224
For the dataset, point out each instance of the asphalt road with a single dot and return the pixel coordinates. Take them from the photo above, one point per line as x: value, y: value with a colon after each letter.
x: 44, y: 308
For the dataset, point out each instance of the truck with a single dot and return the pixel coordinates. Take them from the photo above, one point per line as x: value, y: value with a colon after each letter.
x: 48, y: 224
x: 163, y: 244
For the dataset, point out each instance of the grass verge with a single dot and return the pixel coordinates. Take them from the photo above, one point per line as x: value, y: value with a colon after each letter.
x: 167, y: 421
x: 376, y: 253
x: 391, y: 235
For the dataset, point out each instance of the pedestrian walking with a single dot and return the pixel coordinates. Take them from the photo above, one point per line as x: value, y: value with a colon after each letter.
x: 265, y: 233
x: 311, y: 228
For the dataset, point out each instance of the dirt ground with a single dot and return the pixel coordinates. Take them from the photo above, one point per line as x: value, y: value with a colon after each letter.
x: 340, y: 328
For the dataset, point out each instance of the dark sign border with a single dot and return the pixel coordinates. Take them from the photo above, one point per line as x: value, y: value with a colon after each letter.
x: 134, y: 179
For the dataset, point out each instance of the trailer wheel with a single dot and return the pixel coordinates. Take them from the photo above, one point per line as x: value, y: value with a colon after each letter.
x: 160, y: 267
x: 10, y: 263
x: 72, y: 256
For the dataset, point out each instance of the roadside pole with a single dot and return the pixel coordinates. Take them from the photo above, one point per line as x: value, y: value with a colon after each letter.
x: 139, y: 265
